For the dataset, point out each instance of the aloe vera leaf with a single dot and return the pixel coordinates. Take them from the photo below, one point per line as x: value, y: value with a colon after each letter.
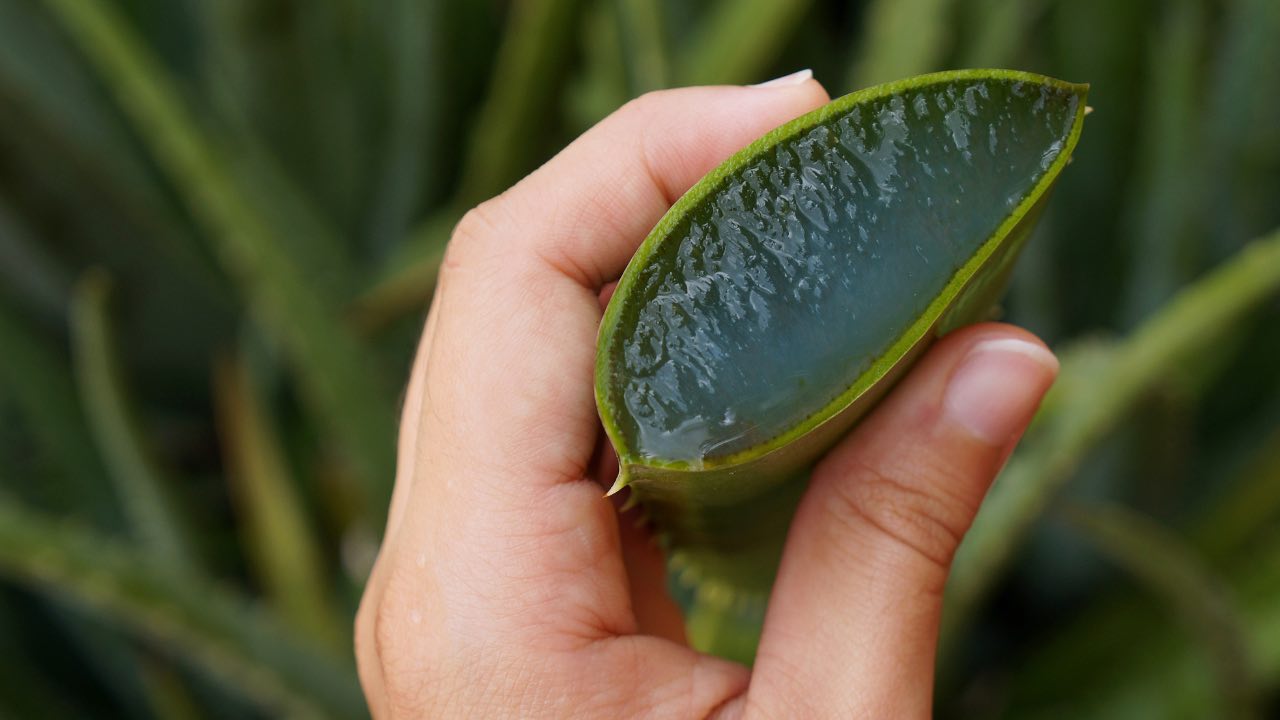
x: 286, y: 557
x: 219, y: 632
x: 1242, y: 125
x: 410, y: 277
x: 1167, y: 567
x: 167, y: 693
x: 641, y: 30
x: 1166, y: 670
x: 738, y: 41
x: 1093, y: 394
x: 411, y: 144
x: 277, y: 69
x: 529, y: 65
x: 528, y: 70
x: 849, y: 237
x: 285, y: 141
x: 38, y: 380
x: 337, y: 373
x: 144, y: 490
x: 1162, y: 217
x: 997, y: 30
x: 1095, y: 38
x: 603, y: 81
x: 902, y: 37
x: 55, y: 107
x: 27, y: 268
x: 1251, y: 503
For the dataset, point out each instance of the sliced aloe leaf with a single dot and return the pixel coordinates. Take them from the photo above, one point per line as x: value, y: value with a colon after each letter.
x: 784, y: 293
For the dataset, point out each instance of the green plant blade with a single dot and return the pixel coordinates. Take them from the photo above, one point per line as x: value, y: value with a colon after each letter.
x: 286, y: 556
x: 145, y: 492
x: 787, y: 290
x: 902, y: 37
x: 1096, y: 389
x: 527, y: 71
x: 738, y: 40
x: 36, y: 378
x: 219, y: 632
x: 1166, y: 566
x: 333, y: 367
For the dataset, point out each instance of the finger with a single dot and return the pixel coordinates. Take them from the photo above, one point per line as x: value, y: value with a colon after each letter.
x: 853, y: 621
x: 510, y: 425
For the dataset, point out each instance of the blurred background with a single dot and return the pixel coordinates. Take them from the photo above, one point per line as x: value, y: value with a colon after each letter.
x: 219, y: 225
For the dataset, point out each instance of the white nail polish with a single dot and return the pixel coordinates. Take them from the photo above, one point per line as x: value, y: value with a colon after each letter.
x: 795, y: 78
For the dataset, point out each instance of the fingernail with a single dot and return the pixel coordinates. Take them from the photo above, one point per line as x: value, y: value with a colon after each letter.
x: 997, y: 387
x: 794, y: 78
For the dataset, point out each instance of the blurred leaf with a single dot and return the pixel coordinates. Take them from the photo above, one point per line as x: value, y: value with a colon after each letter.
x: 1092, y: 396
x: 282, y: 73
x: 29, y: 271
x: 337, y: 373
x: 36, y: 376
x: 412, y: 135
x: 738, y: 41
x: 998, y: 30
x: 1242, y: 125
x: 1251, y: 504
x: 1164, y: 203
x: 47, y: 98
x: 528, y: 70
x: 168, y: 694
x: 901, y: 38
x: 641, y: 29
x: 1094, y: 41
x: 1161, y: 562
x: 143, y: 489
x: 410, y: 278
x: 1139, y: 666
x: 285, y: 556
x: 604, y: 82
x: 208, y: 626
x: 259, y: 83
x: 502, y: 146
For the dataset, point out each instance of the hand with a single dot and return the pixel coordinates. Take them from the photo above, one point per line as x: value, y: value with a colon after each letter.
x: 506, y: 585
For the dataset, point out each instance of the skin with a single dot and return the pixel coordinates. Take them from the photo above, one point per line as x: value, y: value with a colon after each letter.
x: 509, y: 586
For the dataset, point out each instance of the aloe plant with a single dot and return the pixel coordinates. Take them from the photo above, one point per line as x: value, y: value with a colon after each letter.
x: 272, y: 183
x: 787, y: 290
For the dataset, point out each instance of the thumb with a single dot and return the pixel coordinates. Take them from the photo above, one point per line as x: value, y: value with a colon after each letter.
x: 853, y: 622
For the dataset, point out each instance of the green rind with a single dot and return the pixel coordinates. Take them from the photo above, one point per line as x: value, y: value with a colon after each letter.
x: 724, y: 522
x: 629, y: 466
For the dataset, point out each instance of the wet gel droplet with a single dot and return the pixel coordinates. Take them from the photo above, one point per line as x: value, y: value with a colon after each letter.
x: 770, y: 298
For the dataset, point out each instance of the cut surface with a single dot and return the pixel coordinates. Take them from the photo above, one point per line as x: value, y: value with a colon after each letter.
x: 773, y: 285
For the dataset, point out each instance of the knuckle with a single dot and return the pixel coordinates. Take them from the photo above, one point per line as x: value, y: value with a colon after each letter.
x: 474, y: 234
x: 645, y: 104
x: 413, y: 678
x: 910, y: 514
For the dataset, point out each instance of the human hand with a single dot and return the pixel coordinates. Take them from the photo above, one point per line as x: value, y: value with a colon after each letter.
x: 506, y: 585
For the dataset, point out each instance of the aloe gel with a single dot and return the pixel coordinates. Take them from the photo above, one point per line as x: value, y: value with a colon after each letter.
x: 784, y: 293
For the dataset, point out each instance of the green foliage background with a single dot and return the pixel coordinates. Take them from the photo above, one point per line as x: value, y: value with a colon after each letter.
x: 219, y: 225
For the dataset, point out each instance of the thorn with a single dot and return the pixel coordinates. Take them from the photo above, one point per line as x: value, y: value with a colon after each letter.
x: 1088, y: 109
x: 618, y: 484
